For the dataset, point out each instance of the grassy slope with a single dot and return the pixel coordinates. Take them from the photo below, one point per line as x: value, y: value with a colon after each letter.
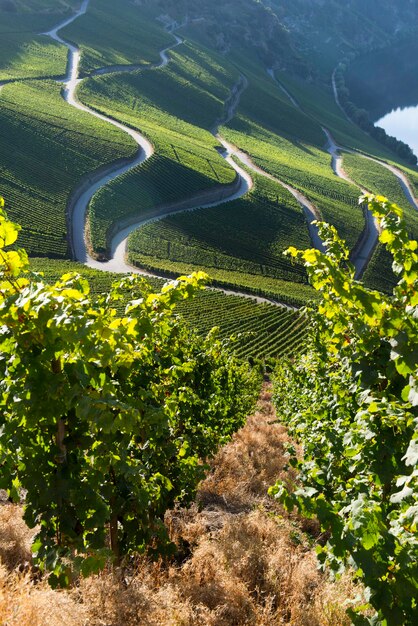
x: 114, y: 33
x: 46, y: 147
x: 318, y: 101
x: 413, y: 177
x: 191, y: 89
x: 377, y: 179
x: 30, y: 57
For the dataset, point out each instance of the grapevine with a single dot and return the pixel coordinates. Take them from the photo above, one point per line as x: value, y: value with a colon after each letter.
x: 106, y: 420
x: 352, y: 402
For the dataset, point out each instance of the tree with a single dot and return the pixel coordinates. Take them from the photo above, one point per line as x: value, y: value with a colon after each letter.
x: 352, y: 402
x: 106, y: 418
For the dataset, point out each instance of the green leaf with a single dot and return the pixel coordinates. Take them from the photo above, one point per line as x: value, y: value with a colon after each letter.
x: 411, y: 456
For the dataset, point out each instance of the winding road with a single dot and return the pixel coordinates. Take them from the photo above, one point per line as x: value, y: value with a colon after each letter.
x: 81, y: 197
x: 368, y: 240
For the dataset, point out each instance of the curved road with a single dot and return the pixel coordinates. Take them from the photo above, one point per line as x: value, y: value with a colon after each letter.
x: 84, y: 194
x: 363, y: 250
x: 83, y: 197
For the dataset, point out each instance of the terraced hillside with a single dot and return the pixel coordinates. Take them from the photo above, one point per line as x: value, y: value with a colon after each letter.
x: 173, y: 111
x: 46, y: 148
x: 246, y: 236
x: 175, y: 105
x: 231, y: 242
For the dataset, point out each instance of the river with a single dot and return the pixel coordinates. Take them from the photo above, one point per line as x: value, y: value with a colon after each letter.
x: 402, y: 123
x: 385, y: 83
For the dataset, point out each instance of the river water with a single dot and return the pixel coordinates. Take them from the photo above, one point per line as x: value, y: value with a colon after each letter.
x: 402, y: 123
x: 385, y: 83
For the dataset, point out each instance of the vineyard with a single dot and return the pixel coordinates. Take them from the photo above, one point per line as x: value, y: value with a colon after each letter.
x: 25, y: 54
x: 269, y: 110
x: 289, y: 144
x: 240, y: 243
x: 377, y: 178
x: 379, y: 274
x: 46, y: 147
x: 294, y: 294
x: 413, y: 177
x: 248, y: 235
x: 186, y: 161
x: 117, y: 33
x: 39, y: 57
x: 118, y: 390
x: 306, y: 168
x: 259, y: 330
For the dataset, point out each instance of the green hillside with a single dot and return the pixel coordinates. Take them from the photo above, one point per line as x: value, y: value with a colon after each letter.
x: 240, y: 243
x: 46, y: 148
x: 248, y: 235
x: 23, y: 52
x: 377, y: 179
x: 174, y: 112
x: 114, y: 33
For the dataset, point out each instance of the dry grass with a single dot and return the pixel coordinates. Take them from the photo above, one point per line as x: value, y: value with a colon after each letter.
x: 246, y: 562
x: 16, y: 538
x: 22, y: 603
x: 243, y: 471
